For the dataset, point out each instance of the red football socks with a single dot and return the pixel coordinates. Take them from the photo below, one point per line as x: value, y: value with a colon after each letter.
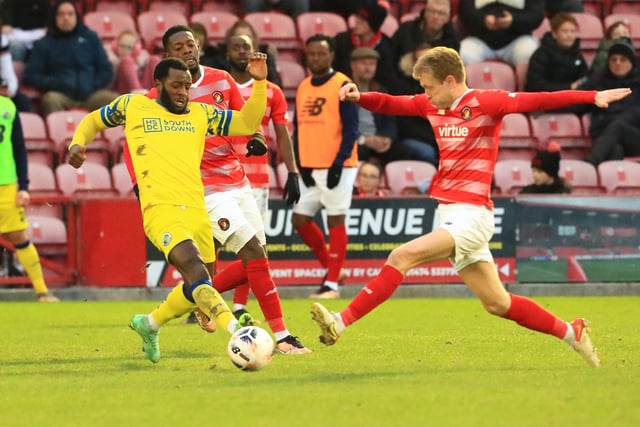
x: 311, y: 234
x: 525, y: 312
x: 337, y: 252
x: 375, y: 293
x: 266, y: 293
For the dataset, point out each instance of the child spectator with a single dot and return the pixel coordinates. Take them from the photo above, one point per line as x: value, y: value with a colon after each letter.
x: 544, y: 168
x: 615, y: 31
x: 130, y: 62
x: 368, y: 180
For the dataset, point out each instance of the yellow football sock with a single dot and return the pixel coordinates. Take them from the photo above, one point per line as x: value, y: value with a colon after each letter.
x: 212, y: 304
x: 174, y: 306
x: 28, y: 257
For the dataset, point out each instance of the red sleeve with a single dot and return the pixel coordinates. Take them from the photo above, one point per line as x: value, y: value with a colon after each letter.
x: 500, y: 103
x: 278, y: 106
x: 236, y: 101
x: 404, y: 105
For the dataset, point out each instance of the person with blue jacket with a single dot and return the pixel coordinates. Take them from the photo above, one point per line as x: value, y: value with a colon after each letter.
x: 69, y: 64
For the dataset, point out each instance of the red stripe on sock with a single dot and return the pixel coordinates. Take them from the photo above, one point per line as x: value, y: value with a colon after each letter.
x: 375, y: 293
x: 526, y: 312
x: 337, y: 251
x: 311, y: 234
x: 266, y: 293
x: 231, y: 277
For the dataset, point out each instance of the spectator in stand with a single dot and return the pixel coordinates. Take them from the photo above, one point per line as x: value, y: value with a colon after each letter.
x: 544, y: 168
x: 558, y: 63
x: 433, y: 27
x: 292, y: 8
x: 615, y: 31
x: 14, y: 197
x: 130, y: 61
x: 499, y: 30
x: 615, y: 131
x: 209, y: 54
x: 552, y: 7
x: 9, y: 85
x: 366, y: 33
x: 378, y: 132
x: 69, y: 64
x: 24, y: 22
x: 325, y: 134
x: 368, y: 180
x: 415, y: 134
x: 244, y: 28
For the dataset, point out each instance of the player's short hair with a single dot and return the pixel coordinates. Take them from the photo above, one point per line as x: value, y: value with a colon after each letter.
x: 322, y: 38
x: 440, y: 62
x: 171, y: 31
x: 161, y: 72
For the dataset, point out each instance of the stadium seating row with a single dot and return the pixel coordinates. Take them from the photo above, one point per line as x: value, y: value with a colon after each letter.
x: 288, y: 34
x: 617, y: 177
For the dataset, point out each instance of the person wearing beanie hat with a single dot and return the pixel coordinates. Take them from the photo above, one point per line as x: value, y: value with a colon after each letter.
x: 365, y: 32
x: 615, y: 131
x: 544, y: 168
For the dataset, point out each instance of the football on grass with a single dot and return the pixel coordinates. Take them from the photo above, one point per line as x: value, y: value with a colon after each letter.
x: 250, y: 348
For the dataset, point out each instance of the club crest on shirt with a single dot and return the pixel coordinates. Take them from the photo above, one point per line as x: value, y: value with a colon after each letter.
x: 166, y: 239
x: 217, y: 96
x: 224, y: 224
x: 465, y: 113
x: 6, y: 115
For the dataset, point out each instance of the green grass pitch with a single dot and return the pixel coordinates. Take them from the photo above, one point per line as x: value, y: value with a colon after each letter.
x: 412, y: 362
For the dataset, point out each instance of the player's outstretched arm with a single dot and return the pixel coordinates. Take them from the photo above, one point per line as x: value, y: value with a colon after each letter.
x: 257, y: 66
x: 86, y: 131
x: 605, y: 97
x: 349, y: 92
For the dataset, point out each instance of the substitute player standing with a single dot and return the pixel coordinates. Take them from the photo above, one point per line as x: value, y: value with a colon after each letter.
x: 467, y: 126
x: 166, y: 139
x: 325, y: 136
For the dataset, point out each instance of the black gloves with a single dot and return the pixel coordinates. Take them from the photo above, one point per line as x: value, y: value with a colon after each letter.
x: 256, y: 146
x: 305, y: 174
x: 291, y: 190
x: 333, y: 176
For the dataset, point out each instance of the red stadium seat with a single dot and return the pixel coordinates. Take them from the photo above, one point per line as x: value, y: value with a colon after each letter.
x: 590, y: 30
x: 49, y: 234
x: 512, y: 174
x: 277, y: 29
x: 491, y: 75
x: 291, y: 73
x: 90, y: 180
x: 233, y: 6
x: 566, y: 129
x: 61, y: 126
x: 403, y: 176
x: 516, y: 141
x: 39, y: 146
x: 582, y: 175
x: 122, y: 180
x: 310, y: 23
x: 42, y: 181
x: 153, y: 23
x: 216, y: 23
x: 620, y: 176
x: 628, y: 6
x: 179, y: 6
x: 125, y: 6
x: 108, y: 24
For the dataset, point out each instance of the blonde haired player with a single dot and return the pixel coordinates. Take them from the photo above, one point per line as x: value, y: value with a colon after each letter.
x: 166, y: 141
x: 466, y: 123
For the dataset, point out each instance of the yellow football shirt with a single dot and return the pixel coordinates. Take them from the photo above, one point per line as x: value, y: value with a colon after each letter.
x: 166, y: 148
